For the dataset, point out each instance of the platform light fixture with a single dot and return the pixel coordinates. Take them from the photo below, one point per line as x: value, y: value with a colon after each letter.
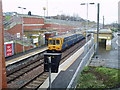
x: 22, y: 8
x: 87, y: 16
x: 98, y: 13
x: 44, y: 8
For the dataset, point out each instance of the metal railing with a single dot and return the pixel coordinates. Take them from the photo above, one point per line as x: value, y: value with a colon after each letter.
x: 11, y: 37
x: 88, y: 55
x: 11, y: 22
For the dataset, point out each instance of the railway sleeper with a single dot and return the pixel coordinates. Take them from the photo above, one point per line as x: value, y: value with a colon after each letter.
x: 28, y: 87
x: 44, y: 77
x: 25, y: 70
x: 40, y: 79
x: 12, y: 76
x: 18, y: 74
x: 37, y: 82
x: 33, y: 84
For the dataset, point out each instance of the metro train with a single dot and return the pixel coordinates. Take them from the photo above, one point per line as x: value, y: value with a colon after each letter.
x: 60, y: 43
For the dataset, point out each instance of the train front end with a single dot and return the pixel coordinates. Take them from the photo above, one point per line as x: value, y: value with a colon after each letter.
x: 54, y: 45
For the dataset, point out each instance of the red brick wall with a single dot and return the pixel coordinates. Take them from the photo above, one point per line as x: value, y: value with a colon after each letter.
x: 16, y: 29
x: 32, y: 27
x: 29, y: 47
x: 19, y: 48
x: 33, y: 20
x: 60, y: 28
x: 46, y: 25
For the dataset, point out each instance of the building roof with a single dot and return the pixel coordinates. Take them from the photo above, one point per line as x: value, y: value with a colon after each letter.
x: 66, y: 35
x: 100, y: 31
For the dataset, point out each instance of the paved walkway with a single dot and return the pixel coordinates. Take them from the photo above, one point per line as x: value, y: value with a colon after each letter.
x: 108, y: 58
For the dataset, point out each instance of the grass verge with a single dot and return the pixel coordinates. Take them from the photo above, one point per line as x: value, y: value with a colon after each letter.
x: 99, y: 77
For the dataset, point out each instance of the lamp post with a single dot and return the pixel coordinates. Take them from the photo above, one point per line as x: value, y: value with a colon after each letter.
x: 87, y: 16
x: 47, y: 8
x: 44, y: 11
x: 98, y: 11
x: 22, y: 8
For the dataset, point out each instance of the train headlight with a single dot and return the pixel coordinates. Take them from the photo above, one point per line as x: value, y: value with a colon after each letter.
x: 58, y: 48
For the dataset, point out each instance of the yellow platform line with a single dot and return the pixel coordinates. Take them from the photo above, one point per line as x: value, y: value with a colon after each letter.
x: 71, y: 60
x: 67, y: 66
x: 62, y: 67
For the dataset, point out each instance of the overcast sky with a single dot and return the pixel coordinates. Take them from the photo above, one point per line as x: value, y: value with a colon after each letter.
x: 108, y: 8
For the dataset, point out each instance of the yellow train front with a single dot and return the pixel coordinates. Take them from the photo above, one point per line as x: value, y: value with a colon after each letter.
x: 60, y: 43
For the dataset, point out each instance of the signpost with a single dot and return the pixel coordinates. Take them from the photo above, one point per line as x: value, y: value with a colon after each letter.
x: 49, y: 61
x: 51, y: 64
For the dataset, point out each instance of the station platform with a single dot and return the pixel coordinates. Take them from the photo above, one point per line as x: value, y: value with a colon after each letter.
x: 67, y: 70
x: 109, y: 58
x: 24, y: 56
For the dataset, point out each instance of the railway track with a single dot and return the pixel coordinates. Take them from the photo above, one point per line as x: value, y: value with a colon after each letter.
x: 32, y: 75
x: 22, y: 71
x: 23, y: 63
x: 36, y: 82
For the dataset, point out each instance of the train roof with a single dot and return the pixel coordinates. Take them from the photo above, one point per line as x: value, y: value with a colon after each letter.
x: 66, y: 35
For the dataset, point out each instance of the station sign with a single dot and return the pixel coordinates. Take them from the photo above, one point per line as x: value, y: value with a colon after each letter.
x: 18, y: 35
x: 8, y: 49
x: 54, y: 64
x: 35, y: 40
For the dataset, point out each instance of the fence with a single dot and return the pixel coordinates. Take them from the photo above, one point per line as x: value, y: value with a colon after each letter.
x: 89, y: 52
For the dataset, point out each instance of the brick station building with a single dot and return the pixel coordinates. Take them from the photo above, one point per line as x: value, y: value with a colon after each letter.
x: 33, y: 25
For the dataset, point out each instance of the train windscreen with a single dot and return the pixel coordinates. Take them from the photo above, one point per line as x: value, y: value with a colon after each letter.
x: 54, y: 42
x: 57, y: 42
x: 50, y: 42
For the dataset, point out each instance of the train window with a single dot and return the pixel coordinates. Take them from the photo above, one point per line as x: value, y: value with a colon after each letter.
x: 72, y: 38
x: 57, y: 42
x: 69, y: 39
x: 64, y: 40
x: 50, y: 42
